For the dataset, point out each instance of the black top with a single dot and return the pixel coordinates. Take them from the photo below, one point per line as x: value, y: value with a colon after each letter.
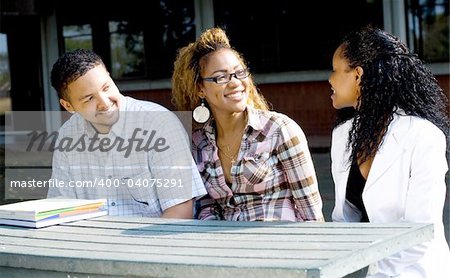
x: 355, y: 187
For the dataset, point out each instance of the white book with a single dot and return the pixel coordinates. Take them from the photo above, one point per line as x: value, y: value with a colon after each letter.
x: 51, y: 221
x: 35, y: 210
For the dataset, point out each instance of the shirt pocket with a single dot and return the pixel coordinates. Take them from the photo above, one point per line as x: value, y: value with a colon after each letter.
x: 256, y: 170
x: 140, y: 187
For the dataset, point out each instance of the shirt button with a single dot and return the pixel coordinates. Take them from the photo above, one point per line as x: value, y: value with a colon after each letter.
x: 113, y: 204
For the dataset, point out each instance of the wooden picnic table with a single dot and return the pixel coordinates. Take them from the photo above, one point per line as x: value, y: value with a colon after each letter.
x: 154, y: 247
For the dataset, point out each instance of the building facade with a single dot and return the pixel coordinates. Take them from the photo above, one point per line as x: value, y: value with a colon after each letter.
x: 288, y: 43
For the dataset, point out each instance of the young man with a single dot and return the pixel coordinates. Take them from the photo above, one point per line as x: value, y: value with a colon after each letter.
x: 134, y: 153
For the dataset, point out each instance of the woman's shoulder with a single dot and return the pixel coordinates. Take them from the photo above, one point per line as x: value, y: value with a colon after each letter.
x: 199, y: 137
x: 273, y: 123
x: 343, y: 127
x: 416, y: 133
x: 418, y: 126
x: 276, y: 118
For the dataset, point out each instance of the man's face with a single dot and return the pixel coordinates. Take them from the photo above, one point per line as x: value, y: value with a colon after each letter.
x: 95, y: 97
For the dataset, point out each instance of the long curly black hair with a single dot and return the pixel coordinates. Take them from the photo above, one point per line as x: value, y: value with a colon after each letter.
x: 393, y: 78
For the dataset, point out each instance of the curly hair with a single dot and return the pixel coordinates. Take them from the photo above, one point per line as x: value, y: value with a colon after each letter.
x: 393, y: 78
x: 186, y: 79
x: 70, y: 66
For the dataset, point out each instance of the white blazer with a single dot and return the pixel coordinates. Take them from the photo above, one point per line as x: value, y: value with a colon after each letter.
x: 406, y: 183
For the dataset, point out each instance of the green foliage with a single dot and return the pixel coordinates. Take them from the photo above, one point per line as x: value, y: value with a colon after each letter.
x: 5, y: 81
x: 436, y: 40
x: 75, y: 43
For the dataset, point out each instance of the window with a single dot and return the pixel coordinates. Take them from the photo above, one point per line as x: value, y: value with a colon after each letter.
x: 5, y: 78
x: 136, y: 39
x: 127, y: 50
x: 292, y: 35
x: 77, y: 36
x: 428, y: 29
x: 140, y: 42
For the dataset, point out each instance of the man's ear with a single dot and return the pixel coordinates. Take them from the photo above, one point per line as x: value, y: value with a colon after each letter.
x: 358, y: 73
x: 66, y: 105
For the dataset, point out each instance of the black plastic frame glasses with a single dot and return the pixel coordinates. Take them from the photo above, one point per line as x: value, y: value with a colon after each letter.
x: 226, y: 78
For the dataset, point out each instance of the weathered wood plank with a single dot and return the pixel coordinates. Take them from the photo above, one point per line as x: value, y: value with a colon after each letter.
x: 38, y: 258
x: 142, y: 247
x: 144, y: 233
x: 160, y: 224
x: 343, y: 264
x: 223, y: 252
x: 150, y: 241
x: 283, y: 224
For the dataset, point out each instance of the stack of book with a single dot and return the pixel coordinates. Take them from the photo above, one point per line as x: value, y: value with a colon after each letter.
x: 47, y: 212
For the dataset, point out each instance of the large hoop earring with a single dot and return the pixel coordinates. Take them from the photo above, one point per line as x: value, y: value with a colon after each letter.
x: 201, y: 113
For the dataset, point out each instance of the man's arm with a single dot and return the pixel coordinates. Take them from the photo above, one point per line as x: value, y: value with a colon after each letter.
x: 182, y: 210
x: 60, y: 174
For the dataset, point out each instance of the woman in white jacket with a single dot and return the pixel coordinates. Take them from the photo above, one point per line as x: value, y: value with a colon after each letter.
x: 389, y: 146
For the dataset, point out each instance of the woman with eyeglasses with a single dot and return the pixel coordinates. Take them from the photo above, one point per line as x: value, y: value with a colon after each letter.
x: 255, y: 163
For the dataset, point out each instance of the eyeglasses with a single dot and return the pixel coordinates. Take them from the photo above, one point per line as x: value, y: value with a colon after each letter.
x: 226, y: 78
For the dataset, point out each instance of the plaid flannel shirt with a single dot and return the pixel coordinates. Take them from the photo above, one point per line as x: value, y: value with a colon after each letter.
x: 273, y: 177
